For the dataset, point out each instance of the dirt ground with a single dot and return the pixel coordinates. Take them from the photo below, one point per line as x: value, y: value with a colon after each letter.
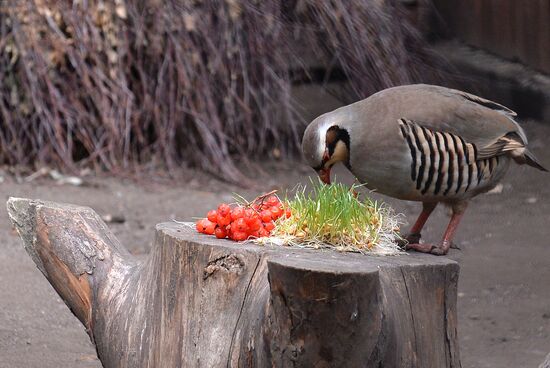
x: 504, y: 286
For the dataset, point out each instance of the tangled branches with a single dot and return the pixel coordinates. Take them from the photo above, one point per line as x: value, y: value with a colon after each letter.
x: 116, y: 85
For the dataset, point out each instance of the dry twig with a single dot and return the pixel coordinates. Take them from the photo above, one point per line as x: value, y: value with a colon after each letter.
x: 114, y: 85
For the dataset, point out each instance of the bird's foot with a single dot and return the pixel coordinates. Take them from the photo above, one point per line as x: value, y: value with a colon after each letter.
x: 439, y: 249
x: 411, y: 238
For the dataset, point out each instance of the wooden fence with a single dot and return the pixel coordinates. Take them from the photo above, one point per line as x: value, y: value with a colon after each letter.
x: 514, y: 29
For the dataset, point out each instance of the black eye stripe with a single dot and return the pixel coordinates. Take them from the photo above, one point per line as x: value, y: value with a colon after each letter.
x: 341, y: 135
x: 331, y: 146
x: 344, y: 137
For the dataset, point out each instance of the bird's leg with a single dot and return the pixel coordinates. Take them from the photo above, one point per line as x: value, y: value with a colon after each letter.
x: 458, y: 212
x: 443, y: 247
x: 413, y: 237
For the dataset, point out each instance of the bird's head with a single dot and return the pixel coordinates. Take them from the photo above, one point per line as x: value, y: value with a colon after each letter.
x: 325, y: 143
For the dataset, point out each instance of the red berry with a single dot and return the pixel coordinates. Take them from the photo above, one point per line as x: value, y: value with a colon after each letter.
x: 237, y: 213
x: 251, y: 216
x: 239, y: 236
x: 241, y: 225
x: 209, y: 227
x: 254, y: 224
x: 273, y: 201
x: 249, y: 212
x: 200, y: 226
x: 269, y: 226
x: 223, y: 220
x: 265, y: 215
x: 263, y: 232
x: 224, y: 209
x: 212, y: 216
x: 255, y: 234
x: 220, y: 233
x: 276, y: 212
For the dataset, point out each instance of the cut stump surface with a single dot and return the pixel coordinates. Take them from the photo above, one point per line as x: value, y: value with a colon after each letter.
x: 202, y: 302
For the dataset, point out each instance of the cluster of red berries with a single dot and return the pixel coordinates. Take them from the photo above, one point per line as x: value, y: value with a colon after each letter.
x: 243, y: 222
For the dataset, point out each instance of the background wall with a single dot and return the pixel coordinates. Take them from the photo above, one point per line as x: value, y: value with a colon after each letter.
x: 513, y: 29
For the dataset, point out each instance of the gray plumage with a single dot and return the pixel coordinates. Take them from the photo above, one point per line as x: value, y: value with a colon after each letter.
x: 423, y: 142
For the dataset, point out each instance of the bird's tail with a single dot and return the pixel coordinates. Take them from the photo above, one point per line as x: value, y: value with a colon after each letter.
x: 528, y: 158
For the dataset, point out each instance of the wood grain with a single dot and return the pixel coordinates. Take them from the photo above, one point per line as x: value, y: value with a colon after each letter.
x: 202, y: 302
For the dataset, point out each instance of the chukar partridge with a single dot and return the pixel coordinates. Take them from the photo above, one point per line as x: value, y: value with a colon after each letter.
x: 421, y: 143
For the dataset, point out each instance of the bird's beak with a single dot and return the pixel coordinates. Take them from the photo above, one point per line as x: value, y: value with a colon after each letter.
x: 324, y: 175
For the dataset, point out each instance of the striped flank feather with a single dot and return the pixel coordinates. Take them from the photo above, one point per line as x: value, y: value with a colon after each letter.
x: 443, y: 163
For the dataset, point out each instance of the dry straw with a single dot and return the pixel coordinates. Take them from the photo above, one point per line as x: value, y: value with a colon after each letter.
x: 123, y: 85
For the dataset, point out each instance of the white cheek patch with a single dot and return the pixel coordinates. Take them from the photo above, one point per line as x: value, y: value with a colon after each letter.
x: 340, y: 153
x: 322, y: 133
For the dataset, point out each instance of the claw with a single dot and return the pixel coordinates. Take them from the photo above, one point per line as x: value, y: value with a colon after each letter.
x: 412, y: 238
x: 438, y: 250
x: 423, y: 248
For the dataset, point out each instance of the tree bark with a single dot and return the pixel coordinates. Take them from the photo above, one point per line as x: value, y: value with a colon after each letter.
x: 202, y: 302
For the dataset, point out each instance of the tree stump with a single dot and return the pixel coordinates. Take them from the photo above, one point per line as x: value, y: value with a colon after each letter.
x: 202, y: 302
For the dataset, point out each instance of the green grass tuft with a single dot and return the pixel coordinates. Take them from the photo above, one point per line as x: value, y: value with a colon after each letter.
x: 335, y: 216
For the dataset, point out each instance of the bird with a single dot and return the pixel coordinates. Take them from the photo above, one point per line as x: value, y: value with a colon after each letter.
x: 422, y: 143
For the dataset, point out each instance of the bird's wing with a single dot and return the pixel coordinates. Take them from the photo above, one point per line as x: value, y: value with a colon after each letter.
x: 483, y: 102
x: 509, y: 142
x: 484, y: 123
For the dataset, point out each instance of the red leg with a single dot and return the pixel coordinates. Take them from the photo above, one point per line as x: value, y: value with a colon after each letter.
x: 443, y: 247
x: 449, y: 233
x: 414, y: 234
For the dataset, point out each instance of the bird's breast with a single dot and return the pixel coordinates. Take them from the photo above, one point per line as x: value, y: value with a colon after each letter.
x: 382, y: 164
